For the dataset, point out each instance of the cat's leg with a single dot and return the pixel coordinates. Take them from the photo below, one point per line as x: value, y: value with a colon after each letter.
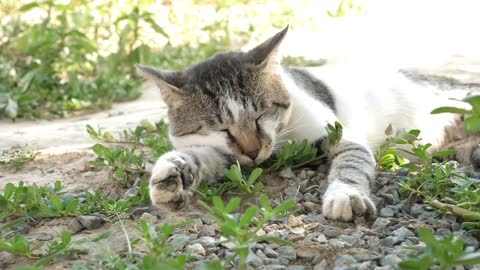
x: 351, y: 174
x: 177, y: 174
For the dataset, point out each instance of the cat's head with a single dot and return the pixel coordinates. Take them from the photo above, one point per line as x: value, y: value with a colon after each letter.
x: 235, y: 100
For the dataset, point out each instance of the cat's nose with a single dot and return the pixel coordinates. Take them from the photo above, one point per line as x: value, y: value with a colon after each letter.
x: 252, y: 154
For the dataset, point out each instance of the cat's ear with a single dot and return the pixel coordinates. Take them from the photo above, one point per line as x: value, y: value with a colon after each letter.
x: 168, y: 81
x: 267, y: 54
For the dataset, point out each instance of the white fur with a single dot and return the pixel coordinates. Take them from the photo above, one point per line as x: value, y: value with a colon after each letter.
x: 338, y: 201
x: 216, y: 139
x: 367, y: 101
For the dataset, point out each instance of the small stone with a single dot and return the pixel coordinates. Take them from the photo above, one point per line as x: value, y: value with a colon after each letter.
x: 297, y: 267
x: 261, y: 232
x: 443, y: 232
x: 196, y: 248
x: 148, y: 217
x: 287, y: 252
x: 380, y: 223
x: 387, y: 212
x: 390, y: 260
x: 270, y: 253
x: 302, y: 175
x: 131, y: 192
x: 287, y: 173
x: 274, y: 267
x: 90, y: 222
x: 329, y: 233
x: 344, y: 260
x: 254, y: 260
x: 291, y: 191
x: 312, y: 207
x: 303, y: 186
x: 206, y: 230
x: 416, y: 210
x: 293, y: 221
x: 363, y: 266
x: 309, y: 197
x: 389, y: 241
x: 298, y: 231
x: 322, y: 239
x: 383, y: 268
x: 207, y: 241
x: 137, y: 212
x: 403, y: 233
x: 74, y: 226
x: 321, y: 266
x: 307, y: 253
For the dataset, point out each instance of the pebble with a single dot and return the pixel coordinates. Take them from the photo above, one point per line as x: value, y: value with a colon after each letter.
x: 287, y: 173
x: 344, y: 260
x: 205, y: 230
x: 307, y: 253
x: 196, y: 248
x: 287, y: 252
x: 148, y: 218
x: 390, y: 260
x: 207, y: 241
x: 270, y: 253
x: 387, y: 212
x: 321, y: 266
x: 91, y: 222
x: 330, y: 233
x: 294, y: 221
x: 403, y: 233
x: 380, y: 223
x: 312, y: 207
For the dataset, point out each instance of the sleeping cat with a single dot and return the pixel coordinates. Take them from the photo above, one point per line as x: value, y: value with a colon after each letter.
x: 244, y: 105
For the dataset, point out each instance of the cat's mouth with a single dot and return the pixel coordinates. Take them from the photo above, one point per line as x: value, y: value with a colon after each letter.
x: 263, y: 154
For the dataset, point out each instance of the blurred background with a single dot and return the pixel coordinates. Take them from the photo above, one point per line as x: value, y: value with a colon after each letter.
x: 68, y: 57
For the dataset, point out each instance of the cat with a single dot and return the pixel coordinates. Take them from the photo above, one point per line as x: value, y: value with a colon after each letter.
x: 243, y: 106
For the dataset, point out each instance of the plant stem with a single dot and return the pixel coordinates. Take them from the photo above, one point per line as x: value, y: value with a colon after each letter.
x: 454, y: 209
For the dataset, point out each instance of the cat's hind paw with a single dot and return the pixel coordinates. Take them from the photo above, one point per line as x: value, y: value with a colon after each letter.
x: 169, y: 175
x: 344, y: 202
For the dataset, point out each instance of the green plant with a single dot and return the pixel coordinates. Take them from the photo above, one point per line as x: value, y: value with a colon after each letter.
x: 471, y: 116
x: 125, y: 163
x: 19, y: 245
x: 249, y: 186
x: 241, y: 229
x: 298, y: 154
x: 36, y: 202
x: 17, y: 157
x: 207, y: 193
x: 387, y: 155
x: 445, y: 253
x: 435, y: 182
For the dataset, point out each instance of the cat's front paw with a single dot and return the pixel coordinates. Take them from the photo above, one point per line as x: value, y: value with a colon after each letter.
x: 344, y: 202
x: 167, y: 184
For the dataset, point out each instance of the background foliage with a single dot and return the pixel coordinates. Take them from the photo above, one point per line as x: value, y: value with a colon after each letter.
x: 64, y: 56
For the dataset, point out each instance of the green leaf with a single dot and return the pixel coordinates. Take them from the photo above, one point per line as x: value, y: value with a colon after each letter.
x: 277, y: 240
x: 72, y: 206
x: 284, y: 206
x: 218, y: 203
x: 474, y: 101
x: 450, y: 110
x: 254, y: 175
x: 12, y: 108
x: 444, y: 153
x: 29, y: 6
x: 472, y: 124
x: 57, y: 202
x: 469, y: 259
x: 248, y: 216
x: 232, y: 205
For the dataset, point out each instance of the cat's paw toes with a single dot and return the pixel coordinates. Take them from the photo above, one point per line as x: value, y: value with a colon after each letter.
x: 344, y: 202
x: 169, y: 175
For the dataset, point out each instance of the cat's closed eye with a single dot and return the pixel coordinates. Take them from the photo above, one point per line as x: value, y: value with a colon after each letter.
x: 281, y: 105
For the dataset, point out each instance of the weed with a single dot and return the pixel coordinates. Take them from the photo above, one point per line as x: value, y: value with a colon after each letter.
x: 17, y: 157
x: 125, y: 163
x: 471, y: 116
x: 387, y: 155
x: 207, y: 193
x: 444, y: 253
x: 36, y: 202
x: 249, y: 186
x: 20, y: 246
x: 433, y: 181
x: 241, y: 229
